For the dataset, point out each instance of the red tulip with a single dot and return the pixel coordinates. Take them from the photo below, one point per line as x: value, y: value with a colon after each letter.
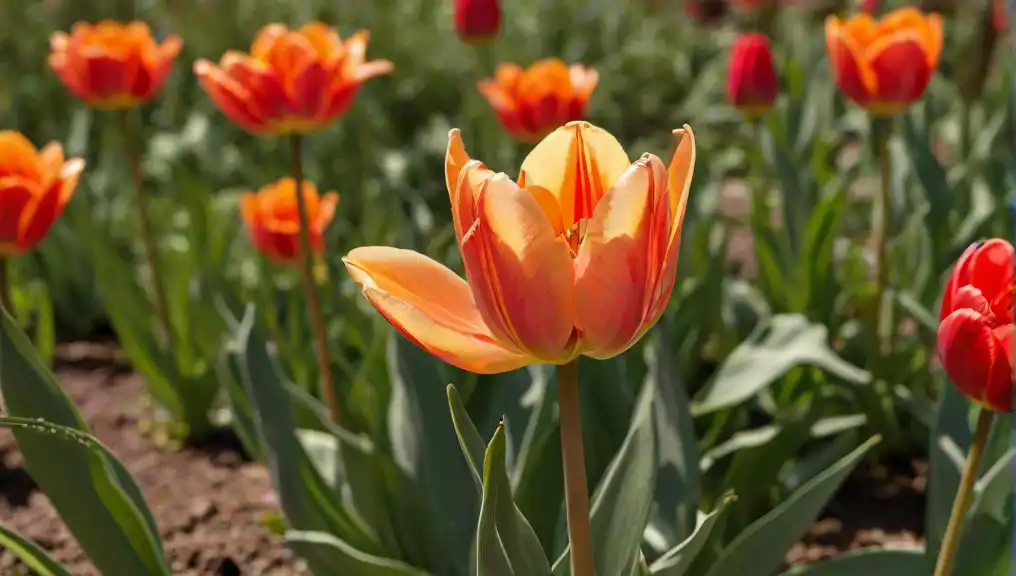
x: 752, y: 84
x: 273, y: 219
x: 975, y: 332
x: 477, y: 20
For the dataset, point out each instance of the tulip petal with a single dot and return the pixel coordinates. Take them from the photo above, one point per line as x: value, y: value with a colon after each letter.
x: 16, y: 194
x: 232, y: 98
x: 991, y: 269
x: 19, y: 157
x: 457, y: 164
x: 853, y: 74
x: 900, y: 67
x: 519, y: 270
x: 973, y: 358
x: 960, y: 276
x: 577, y: 163
x: 430, y: 305
x: 613, y: 268
x: 39, y: 216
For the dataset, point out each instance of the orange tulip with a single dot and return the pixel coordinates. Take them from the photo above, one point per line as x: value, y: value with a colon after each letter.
x: 531, y: 103
x: 34, y: 189
x: 273, y: 219
x: 293, y: 81
x: 113, y: 65
x: 576, y: 258
x: 885, y: 65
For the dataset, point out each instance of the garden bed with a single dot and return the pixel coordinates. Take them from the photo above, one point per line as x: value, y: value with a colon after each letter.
x: 210, y: 501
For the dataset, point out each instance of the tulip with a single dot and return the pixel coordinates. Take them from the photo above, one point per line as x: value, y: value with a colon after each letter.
x: 292, y: 82
x: 885, y: 65
x: 576, y: 258
x: 35, y: 186
x: 112, y: 65
x: 752, y: 84
x: 273, y: 221
x: 975, y: 333
x: 531, y: 103
x: 477, y: 20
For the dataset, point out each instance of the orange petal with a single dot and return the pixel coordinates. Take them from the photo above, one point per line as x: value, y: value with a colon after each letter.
x: 233, y: 99
x: 851, y: 70
x: 519, y: 269
x: 372, y: 69
x: 457, y: 163
x: 18, y: 157
x: 70, y: 172
x: 430, y: 305
x: 614, y: 268
x: 326, y: 211
x: 577, y: 164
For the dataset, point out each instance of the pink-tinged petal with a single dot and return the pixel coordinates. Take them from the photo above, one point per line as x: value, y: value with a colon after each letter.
x: 457, y: 163
x: 372, y: 69
x: 973, y: 358
x: 577, y: 163
x: 679, y: 177
x: 232, y: 98
x: 430, y: 305
x: 960, y: 276
x: 519, y: 270
x: 613, y: 269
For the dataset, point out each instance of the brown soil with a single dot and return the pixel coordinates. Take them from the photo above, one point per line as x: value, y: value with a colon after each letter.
x: 209, y: 501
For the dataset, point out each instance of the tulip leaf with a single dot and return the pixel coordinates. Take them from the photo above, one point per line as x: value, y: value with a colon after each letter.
x: 777, y: 345
x: 520, y: 542
x: 103, y: 508
x: 424, y: 448
x: 677, y: 561
x: 948, y: 445
x: 306, y: 498
x: 336, y: 556
x: 31, y: 554
x: 761, y: 547
x: 869, y: 562
x: 622, y: 502
x: 677, y: 482
x: 492, y: 559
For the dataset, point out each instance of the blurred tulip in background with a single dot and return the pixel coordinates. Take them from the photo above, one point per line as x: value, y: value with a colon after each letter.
x: 752, y: 83
x: 477, y: 20
x: 273, y: 221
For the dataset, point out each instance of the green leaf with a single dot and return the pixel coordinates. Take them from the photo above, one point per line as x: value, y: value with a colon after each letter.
x: 677, y: 481
x: 520, y: 543
x: 869, y: 562
x: 306, y: 498
x: 777, y: 345
x: 622, y: 501
x: 31, y: 554
x: 947, y: 449
x: 677, y: 561
x: 424, y: 448
x: 491, y: 558
x: 761, y: 547
x: 338, y: 557
x: 102, y: 507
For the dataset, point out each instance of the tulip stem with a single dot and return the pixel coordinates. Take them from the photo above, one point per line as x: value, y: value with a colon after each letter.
x: 5, y: 289
x: 953, y: 531
x: 576, y: 492
x: 141, y: 205
x: 884, y: 130
x: 310, y: 288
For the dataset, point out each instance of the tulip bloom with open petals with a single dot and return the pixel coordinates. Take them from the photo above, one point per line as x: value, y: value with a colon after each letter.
x: 576, y: 258
x: 532, y: 102
x: 35, y: 186
x: 273, y: 219
x: 884, y: 65
x: 976, y: 328
x: 752, y: 83
x: 293, y: 81
x: 112, y: 65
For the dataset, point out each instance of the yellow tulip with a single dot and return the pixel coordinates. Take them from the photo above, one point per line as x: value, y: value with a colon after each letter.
x: 578, y: 257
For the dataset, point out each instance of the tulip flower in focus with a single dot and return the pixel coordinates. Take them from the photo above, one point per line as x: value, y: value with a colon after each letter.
x: 111, y: 65
x: 531, y: 103
x: 35, y: 186
x: 477, y: 20
x: 752, y: 84
x: 292, y: 81
x: 884, y: 65
x: 272, y: 218
x: 976, y: 327
x: 576, y: 258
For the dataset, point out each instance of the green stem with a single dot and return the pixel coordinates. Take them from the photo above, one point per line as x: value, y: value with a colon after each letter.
x: 953, y: 531
x: 141, y: 205
x: 576, y: 491
x: 310, y: 288
x: 5, y: 289
x: 884, y: 230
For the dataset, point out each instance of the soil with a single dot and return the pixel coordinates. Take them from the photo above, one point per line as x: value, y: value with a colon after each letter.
x: 209, y: 501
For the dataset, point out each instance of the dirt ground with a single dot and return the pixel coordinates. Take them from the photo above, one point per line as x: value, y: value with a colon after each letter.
x: 209, y: 502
